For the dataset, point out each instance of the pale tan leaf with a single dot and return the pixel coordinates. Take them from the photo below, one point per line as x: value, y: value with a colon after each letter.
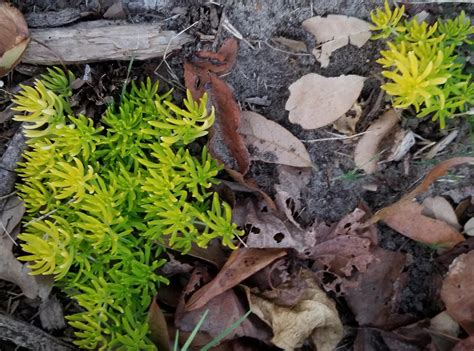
x: 316, y: 101
x: 293, y: 45
x: 469, y: 227
x: 268, y: 141
x: 439, y: 208
x: 334, y: 32
x: 348, y: 122
x: 14, y: 37
x: 367, y: 150
x: 314, y: 316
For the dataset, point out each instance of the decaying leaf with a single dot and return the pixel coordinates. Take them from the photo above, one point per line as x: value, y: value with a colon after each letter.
x: 373, y: 300
x: 266, y: 230
x: 224, y: 309
x: 14, y: 37
x: 444, y: 330
x: 402, y: 143
x: 225, y: 143
x: 367, y: 151
x: 11, y: 269
x: 334, y: 32
x: 409, y: 221
x: 439, y: 208
x: 457, y: 289
x: 348, y: 122
x: 158, y: 327
x: 395, y: 212
x: 242, y: 264
x: 316, y: 101
x: 291, y: 183
x: 268, y: 141
x: 314, y: 316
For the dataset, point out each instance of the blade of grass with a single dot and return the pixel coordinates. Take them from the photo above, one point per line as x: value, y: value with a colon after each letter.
x: 194, y: 332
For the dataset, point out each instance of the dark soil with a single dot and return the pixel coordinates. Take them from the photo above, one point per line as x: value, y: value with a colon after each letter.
x: 262, y: 71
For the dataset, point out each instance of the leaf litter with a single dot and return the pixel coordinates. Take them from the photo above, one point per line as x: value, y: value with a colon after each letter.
x: 343, y: 261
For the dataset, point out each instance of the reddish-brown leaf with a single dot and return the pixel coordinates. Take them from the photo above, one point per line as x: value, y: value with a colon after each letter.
x: 373, y: 300
x: 219, y: 62
x: 224, y: 310
x: 242, y: 264
x: 457, y: 291
x: 409, y: 221
x: 158, y: 327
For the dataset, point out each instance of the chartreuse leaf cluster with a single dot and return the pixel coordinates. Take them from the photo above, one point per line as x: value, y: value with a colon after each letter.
x: 423, y: 63
x: 103, y: 197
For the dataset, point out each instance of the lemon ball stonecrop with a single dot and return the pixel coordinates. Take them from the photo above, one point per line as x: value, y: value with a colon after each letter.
x: 423, y: 63
x: 103, y: 198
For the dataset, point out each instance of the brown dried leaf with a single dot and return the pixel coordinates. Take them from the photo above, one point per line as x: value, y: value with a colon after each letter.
x: 158, y: 327
x: 14, y: 37
x: 409, y: 221
x: 242, y: 264
x: 432, y: 175
x: 316, y: 101
x: 367, y: 150
x: 293, y: 45
x: 457, y: 289
x: 314, y: 316
x: 268, y: 231
x: 218, y: 62
x: 224, y: 310
x: 373, y: 299
x: 334, y: 32
x: 268, y: 141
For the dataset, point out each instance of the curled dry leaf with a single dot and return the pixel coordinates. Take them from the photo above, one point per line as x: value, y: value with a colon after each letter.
x: 225, y: 143
x: 457, y: 289
x: 242, y: 264
x: 268, y: 141
x: 316, y: 101
x: 14, y: 37
x: 367, y: 151
x: 402, y: 143
x: 313, y: 316
x: 334, y: 32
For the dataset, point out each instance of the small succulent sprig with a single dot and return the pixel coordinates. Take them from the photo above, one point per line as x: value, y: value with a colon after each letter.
x: 101, y: 198
x: 423, y: 63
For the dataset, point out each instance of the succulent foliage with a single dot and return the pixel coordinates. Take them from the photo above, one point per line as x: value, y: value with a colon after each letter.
x: 102, y: 199
x: 423, y: 63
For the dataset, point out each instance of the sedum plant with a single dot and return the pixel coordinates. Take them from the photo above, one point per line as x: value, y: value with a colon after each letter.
x: 103, y: 198
x: 423, y: 63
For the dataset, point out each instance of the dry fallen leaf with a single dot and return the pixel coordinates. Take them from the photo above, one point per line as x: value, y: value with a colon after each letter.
x: 367, y: 151
x: 268, y: 141
x: 293, y: 45
x: 334, y: 32
x: 348, y: 122
x: 314, y: 316
x: 469, y: 227
x: 439, y: 208
x: 158, y: 327
x: 402, y: 143
x: 373, y: 301
x: 14, y: 37
x: 457, y: 289
x: 316, y: 101
x: 409, y: 221
x: 11, y: 269
x: 465, y: 345
x: 225, y: 143
x: 242, y: 264
x: 394, y: 211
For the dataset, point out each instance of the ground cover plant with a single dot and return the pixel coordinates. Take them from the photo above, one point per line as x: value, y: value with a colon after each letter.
x: 299, y: 179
